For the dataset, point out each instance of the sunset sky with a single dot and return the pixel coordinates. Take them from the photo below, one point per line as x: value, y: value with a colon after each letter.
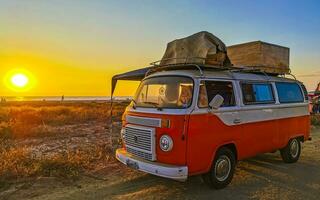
x: 75, y: 47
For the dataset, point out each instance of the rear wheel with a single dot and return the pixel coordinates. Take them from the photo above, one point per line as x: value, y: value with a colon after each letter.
x: 222, y: 170
x: 291, y: 152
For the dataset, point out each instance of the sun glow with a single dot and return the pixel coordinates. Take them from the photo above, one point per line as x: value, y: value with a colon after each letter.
x: 19, y: 80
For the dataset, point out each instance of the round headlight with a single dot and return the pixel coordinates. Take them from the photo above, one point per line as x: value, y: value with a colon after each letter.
x: 166, y: 143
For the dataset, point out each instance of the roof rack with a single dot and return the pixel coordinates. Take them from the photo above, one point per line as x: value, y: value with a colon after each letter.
x: 172, y: 67
x: 251, y: 70
x: 158, y: 67
x: 284, y: 75
x: 186, y: 59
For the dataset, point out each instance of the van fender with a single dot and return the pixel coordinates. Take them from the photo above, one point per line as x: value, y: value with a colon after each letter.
x: 301, y: 137
x: 233, y: 143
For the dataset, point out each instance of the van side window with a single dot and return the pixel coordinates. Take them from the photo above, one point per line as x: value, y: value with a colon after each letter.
x: 209, y: 89
x: 289, y: 92
x: 305, y: 92
x: 257, y: 93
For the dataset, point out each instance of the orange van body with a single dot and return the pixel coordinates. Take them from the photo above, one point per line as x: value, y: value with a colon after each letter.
x: 197, y: 133
x: 199, y: 145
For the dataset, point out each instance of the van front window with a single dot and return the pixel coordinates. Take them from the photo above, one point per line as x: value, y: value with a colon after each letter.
x: 165, y: 92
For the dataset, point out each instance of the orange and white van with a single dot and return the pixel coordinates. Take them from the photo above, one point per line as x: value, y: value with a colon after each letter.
x: 198, y: 121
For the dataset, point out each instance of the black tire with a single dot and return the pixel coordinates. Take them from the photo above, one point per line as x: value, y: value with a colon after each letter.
x: 291, y: 153
x: 226, y: 159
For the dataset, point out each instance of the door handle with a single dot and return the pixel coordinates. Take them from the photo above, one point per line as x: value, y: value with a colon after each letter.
x: 237, y: 121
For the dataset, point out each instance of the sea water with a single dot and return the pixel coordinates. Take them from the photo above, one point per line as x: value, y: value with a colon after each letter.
x: 64, y: 98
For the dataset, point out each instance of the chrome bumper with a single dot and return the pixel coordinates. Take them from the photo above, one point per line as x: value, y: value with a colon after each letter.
x: 179, y: 173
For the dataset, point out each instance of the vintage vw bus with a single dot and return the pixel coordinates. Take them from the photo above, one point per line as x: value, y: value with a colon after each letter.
x: 202, y: 121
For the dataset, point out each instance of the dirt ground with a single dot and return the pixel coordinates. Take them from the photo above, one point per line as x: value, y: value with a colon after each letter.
x: 262, y: 177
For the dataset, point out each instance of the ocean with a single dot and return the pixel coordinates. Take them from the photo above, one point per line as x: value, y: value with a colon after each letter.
x: 65, y: 98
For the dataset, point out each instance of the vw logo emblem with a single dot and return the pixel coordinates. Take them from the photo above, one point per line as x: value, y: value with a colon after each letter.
x: 135, y: 138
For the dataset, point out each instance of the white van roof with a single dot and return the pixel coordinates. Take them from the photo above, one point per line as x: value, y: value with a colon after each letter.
x: 225, y: 74
x: 204, y: 71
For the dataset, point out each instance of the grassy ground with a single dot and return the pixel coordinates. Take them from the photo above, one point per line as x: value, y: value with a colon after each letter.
x: 53, y: 139
x: 33, y: 119
x: 315, y: 120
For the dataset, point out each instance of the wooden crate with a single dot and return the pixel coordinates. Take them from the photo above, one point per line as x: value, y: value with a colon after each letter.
x: 267, y: 57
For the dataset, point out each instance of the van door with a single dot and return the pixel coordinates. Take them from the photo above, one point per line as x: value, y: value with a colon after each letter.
x: 258, y: 118
x: 209, y: 130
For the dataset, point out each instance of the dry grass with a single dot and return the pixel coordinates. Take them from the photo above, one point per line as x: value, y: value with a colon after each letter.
x: 37, y: 120
x: 20, y: 163
x: 315, y: 120
x: 21, y: 120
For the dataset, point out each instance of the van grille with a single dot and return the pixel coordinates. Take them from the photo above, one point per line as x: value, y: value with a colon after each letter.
x: 140, y: 141
x: 147, y: 156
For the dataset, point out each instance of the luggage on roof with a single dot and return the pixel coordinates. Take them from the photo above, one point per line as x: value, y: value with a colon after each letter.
x: 206, y: 50
x: 266, y: 57
x: 199, y: 48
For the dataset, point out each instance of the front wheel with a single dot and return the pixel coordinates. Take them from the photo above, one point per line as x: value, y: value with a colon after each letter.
x: 291, y: 152
x: 222, y: 170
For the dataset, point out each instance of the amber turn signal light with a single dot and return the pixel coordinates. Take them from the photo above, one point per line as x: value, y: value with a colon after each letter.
x: 165, y: 123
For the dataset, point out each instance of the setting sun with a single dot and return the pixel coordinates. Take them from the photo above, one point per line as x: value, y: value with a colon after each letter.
x: 19, y: 80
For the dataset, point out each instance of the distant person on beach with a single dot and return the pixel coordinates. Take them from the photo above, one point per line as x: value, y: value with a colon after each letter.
x: 62, y: 98
x: 3, y: 100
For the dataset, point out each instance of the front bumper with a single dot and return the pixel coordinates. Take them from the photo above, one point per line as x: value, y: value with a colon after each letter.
x: 179, y: 173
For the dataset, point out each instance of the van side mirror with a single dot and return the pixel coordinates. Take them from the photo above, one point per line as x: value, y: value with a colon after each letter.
x: 216, y: 102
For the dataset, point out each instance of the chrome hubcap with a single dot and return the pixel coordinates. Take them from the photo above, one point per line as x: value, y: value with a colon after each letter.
x: 294, y: 148
x: 222, y: 168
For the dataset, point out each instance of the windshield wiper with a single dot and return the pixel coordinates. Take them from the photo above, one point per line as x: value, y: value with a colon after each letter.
x: 156, y: 105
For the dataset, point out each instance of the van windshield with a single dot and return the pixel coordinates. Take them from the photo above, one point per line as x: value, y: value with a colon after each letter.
x: 165, y: 92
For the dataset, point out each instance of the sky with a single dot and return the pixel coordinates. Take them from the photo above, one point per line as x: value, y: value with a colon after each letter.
x: 73, y: 48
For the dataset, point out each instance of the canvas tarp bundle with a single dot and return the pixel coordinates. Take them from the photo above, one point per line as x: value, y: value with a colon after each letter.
x: 199, y: 48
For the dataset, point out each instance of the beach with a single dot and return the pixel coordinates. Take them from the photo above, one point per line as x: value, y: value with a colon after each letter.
x: 65, y: 150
